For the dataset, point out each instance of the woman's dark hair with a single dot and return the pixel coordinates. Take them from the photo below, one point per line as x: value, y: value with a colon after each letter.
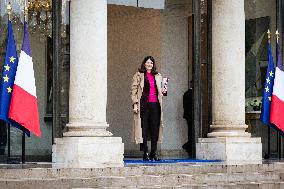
x: 142, y: 68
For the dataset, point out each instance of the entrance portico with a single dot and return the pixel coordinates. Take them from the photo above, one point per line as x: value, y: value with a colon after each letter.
x: 87, y: 143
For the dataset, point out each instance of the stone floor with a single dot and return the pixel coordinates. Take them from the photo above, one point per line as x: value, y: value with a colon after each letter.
x: 129, y: 162
x: 137, y: 162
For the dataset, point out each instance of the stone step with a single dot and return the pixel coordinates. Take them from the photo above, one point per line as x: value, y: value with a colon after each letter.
x: 159, y: 176
x: 237, y: 185
x: 137, y: 170
x: 170, y: 180
x: 243, y: 185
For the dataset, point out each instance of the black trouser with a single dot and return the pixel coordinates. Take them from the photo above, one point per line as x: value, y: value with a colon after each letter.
x: 189, y: 146
x: 150, y: 122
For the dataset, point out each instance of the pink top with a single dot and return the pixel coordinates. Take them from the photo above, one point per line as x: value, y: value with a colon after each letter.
x: 152, y: 93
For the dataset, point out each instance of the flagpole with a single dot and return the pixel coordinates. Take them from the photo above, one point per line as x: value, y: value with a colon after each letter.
x: 278, y: 133
x: 9, y: 12
x: 268, y: 127
x: 9, y: 141
x: 23, y: 148
x: 277, y: 36
x: 23, y: 134
x: 25, y: 11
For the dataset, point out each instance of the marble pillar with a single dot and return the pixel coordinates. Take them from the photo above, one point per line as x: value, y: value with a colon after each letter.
x: 228, y: 139
x: 87, y: 143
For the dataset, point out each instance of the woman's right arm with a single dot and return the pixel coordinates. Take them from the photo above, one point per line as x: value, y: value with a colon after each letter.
x: 134, y: 89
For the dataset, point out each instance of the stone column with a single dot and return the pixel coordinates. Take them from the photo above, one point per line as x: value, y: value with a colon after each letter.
x: 87, y: 143
x: 228, y: 139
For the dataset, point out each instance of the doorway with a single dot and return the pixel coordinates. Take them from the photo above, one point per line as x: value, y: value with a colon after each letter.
x: 166, y: 34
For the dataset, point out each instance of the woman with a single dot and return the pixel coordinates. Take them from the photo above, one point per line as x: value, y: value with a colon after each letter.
x: 146, y: 97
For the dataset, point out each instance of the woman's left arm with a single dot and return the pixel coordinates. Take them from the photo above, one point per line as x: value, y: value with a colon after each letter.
x: 160, y: 83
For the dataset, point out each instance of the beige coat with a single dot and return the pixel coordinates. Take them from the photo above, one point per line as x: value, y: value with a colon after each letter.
x: 136, y: 93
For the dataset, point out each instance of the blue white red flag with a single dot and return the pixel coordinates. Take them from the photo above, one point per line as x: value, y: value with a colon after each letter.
x: 23, y: 107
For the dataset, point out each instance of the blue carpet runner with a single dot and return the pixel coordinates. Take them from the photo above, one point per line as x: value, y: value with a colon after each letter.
x: 140, y: 161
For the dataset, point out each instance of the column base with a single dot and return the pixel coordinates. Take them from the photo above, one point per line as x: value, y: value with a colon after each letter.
x: 232, y: 150
x: 88, y: 152
x: 82, y: 129
x: 228, y: 131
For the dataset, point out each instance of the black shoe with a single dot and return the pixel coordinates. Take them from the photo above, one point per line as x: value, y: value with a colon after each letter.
x: 186, y: 147
x: 154, y: 157
x: 146, y: 156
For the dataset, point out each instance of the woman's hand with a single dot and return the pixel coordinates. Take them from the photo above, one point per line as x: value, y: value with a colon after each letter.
x: 164, y: 91
x: 135, y: 108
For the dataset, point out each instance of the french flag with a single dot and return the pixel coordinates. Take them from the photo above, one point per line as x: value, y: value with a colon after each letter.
x: 23, y: 107
x: 277, y: 100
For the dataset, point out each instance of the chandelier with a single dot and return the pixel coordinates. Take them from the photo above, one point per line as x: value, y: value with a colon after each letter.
x: 39, y: 15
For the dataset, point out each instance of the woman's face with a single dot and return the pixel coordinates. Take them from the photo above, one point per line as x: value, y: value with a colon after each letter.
x: 149, y: 65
